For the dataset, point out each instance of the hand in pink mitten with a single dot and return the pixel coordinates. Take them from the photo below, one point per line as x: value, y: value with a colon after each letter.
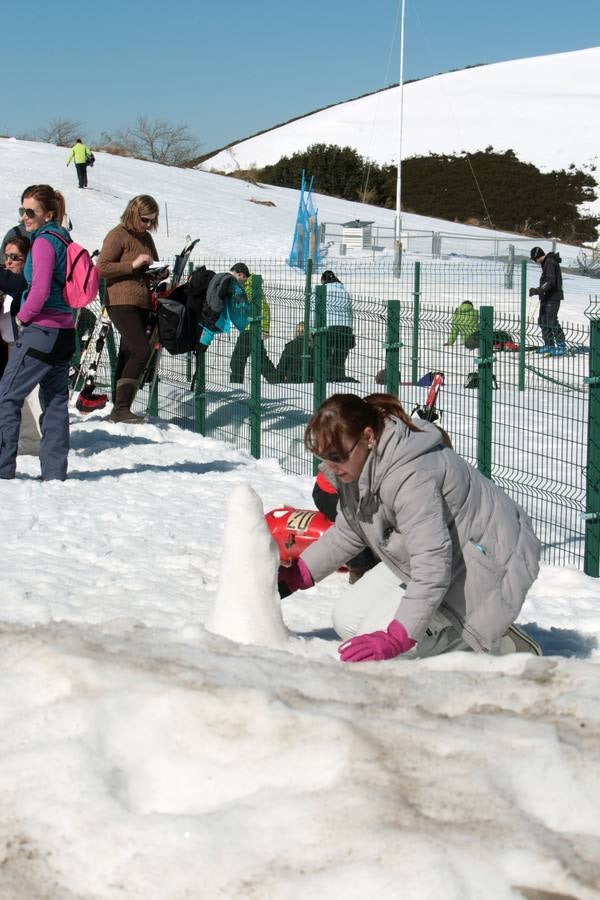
x: 377, y: 645
x: 296, y: 577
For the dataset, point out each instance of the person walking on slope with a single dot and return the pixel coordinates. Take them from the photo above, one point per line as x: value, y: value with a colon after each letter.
x: 126, y: 253
x: 241, y: 351
x: 81, y: 154
x: 458, y: 555
x: 45, y: 342
x: 550, y: 292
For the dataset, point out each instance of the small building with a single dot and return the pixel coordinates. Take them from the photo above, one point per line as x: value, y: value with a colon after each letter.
x: 357, y: 235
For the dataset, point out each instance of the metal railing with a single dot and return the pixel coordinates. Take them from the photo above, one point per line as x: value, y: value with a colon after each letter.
x: 530, y: 422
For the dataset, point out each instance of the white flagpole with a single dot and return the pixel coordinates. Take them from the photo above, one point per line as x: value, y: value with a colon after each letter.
x: 398, y: 223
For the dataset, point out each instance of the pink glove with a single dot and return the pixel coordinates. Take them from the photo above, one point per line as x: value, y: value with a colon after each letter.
x: 296, y: 577
x: 377, y: 645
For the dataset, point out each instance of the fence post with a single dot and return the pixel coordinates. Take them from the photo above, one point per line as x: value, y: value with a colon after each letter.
x: 306, y: 336
x: 591, y: 559
x: 392, y: 347
x: 416, y: 316
x: 320, y: 353
x: 110, y: 344
x: 522, y: 325
x: 509, y: 272
x: 200, y: 393
x: 154, y: 384
x: 485, y: 387
x: 255, y: 366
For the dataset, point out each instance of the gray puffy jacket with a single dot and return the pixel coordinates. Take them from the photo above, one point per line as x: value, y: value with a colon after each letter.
x: 455, y: 538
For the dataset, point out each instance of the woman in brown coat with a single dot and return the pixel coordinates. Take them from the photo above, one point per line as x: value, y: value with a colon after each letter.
x: 127, y: 252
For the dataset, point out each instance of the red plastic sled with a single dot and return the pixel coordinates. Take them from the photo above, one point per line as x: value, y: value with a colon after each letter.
x: 293, y: 530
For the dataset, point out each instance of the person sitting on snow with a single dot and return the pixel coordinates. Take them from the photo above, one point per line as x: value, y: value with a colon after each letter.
x: 458, y: 554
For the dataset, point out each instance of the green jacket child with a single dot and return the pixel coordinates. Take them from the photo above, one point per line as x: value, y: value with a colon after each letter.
x: 465, y: 323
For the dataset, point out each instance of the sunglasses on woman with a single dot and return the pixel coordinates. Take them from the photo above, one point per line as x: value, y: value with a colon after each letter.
x: 14, y: 257
x: 338, y: 458
x: 30, y: 213
x: 148, y: 220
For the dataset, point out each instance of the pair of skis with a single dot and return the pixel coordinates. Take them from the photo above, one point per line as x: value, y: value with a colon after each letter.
x: 150, y: 374
x: 428, y: 410
x: 86, y: 377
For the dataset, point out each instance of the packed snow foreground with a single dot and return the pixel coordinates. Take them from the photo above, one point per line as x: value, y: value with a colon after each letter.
x: 143, y: 755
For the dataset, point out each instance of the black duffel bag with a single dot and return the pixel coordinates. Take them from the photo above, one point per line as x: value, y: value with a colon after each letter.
x: 177, y: 324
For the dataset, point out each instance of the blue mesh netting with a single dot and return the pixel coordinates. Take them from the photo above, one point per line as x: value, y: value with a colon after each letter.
x: 306, y: 233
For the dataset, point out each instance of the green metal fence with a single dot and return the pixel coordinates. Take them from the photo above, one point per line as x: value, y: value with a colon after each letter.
x: 519, y: 416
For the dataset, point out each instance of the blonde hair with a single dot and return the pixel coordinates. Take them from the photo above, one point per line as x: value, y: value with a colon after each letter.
x: 142, y: 205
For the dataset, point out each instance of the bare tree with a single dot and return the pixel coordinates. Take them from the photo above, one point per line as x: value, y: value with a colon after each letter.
x: 60, y: 131
x: 157, y: 140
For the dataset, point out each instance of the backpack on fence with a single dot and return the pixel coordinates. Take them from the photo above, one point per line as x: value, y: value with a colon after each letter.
x: 472, y: 381
x: 177, y: 322
x: 82, y: 280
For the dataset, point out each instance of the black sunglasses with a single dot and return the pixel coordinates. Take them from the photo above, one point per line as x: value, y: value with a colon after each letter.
x: 14, y: 257
x: 337, y: 458
x: 30, y: 213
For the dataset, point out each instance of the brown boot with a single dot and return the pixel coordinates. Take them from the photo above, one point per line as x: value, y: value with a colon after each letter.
x: 124, y: 394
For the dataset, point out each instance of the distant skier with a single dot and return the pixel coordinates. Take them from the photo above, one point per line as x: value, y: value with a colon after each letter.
x: 82, y: 156
x: 550, y: 292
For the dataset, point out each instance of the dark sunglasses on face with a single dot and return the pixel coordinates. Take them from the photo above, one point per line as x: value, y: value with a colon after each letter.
x: 148, y: 220
x: 30, y: 213
x: 14, y: 257
x: 337, y: 458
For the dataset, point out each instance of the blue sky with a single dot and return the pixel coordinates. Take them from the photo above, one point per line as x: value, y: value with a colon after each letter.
x: 228, y: 70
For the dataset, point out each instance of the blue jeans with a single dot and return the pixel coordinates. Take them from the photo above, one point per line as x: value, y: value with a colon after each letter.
x: 41, y: 356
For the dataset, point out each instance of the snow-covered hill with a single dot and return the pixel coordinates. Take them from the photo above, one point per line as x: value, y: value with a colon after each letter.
x: 230, y: 216
x: 544, y: 108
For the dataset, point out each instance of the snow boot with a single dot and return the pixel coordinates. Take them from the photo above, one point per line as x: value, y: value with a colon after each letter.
x: 89, y: 402
x: 124, y: 394
x: 518, y: 641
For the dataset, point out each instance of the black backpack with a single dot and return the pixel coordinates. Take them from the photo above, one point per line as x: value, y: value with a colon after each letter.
x: 472, y: 381
x: 177, y: 323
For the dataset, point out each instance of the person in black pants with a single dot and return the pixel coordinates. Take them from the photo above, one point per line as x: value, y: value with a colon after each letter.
x: 241, y: 351
x: 550, y: 292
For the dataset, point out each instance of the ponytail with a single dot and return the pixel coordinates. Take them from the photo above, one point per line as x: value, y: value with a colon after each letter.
x: 387, y: 405
x: 50, y: 200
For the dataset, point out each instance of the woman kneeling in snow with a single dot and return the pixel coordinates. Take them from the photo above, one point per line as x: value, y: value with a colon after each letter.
x: 458, y: 555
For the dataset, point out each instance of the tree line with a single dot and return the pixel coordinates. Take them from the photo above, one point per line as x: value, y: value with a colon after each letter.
x: 156, y: 140
x: 489, y: 188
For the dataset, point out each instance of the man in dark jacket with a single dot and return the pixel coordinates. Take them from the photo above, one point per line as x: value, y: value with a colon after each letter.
x: 550, y: 292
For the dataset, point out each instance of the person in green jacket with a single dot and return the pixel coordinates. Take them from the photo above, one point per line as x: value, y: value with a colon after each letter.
x: 465, y: 324
x: 241, y: 351
x: 81, y: 154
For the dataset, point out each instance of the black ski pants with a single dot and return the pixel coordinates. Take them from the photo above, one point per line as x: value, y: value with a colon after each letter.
x: 340, y: 341
x: 81, y: 174
x: 132, y: 323
x: 239, y: 358
x: 552, y: 333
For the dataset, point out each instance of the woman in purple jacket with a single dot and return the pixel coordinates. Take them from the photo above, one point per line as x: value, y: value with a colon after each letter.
x: 45, y: 341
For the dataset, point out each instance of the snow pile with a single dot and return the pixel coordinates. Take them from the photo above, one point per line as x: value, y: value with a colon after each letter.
x: 247, y: 606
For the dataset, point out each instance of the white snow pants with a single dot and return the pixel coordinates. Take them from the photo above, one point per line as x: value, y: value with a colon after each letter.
x: 372, y: 602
